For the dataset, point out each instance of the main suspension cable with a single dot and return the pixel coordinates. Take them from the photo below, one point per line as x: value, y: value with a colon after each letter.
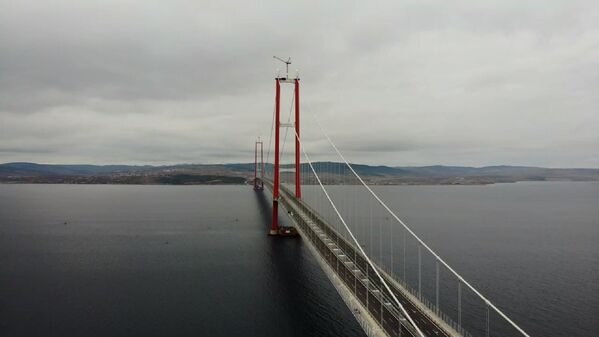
x: 375, y: 269
x: 458, y: 276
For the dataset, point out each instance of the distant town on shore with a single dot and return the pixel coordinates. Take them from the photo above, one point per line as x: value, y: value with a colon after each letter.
x: 216, y: 174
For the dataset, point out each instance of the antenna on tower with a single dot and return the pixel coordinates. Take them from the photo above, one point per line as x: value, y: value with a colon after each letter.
x: 287, y: 63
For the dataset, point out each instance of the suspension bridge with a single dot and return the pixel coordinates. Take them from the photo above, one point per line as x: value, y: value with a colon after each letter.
x: 391, y: 280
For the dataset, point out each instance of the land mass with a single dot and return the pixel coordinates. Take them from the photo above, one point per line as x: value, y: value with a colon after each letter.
x: 198, y: 174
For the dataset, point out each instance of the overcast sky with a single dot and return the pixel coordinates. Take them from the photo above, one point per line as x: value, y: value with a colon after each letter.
x: 401, y: 82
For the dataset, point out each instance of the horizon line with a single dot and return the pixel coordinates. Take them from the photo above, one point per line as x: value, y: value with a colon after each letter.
x: 326, y: 161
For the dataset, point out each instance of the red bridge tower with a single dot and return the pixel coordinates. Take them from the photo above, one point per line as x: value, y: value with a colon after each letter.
x: 274, y: 230
x: 258, y: 166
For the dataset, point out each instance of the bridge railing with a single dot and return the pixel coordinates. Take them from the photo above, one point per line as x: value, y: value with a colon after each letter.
x: 342, y: 259
x: 396, y: 248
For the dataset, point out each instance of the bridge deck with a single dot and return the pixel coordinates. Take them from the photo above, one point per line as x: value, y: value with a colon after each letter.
x: 359, y: 277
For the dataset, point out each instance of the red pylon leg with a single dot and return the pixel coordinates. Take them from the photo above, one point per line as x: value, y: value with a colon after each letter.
x: 256, y: 165
x: 275, y: 193
x: 298, y: 189
x: 261, y: 165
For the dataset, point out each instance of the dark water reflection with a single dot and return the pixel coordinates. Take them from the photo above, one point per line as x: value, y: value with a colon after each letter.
x: 196, y: 260
x: 156, y: 261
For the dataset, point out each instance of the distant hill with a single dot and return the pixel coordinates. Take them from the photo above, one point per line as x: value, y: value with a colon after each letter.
x: 240, y: 172
x: 183, y: 174
x: 32, y: 169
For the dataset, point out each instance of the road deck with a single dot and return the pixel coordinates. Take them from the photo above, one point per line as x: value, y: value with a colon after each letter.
x: 351, y: 267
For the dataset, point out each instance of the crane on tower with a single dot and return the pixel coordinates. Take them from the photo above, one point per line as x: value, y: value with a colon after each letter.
x: 287, y: 63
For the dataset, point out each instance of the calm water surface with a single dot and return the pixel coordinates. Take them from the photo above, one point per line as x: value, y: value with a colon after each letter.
x: 532, y: 248
x: 195, y: 260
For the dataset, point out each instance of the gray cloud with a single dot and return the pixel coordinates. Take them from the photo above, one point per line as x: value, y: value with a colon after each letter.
x: 399, y: 83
